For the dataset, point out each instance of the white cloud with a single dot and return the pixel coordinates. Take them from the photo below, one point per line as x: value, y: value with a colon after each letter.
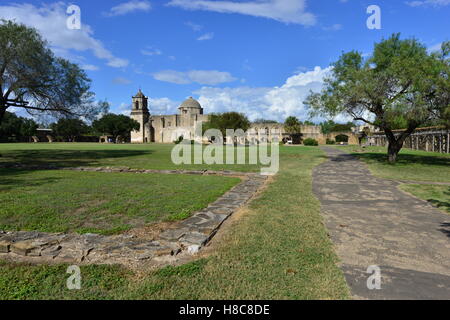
x: 124, y: 108
x: 197, y: 28
x: 50, y: 21
x: 274, y: 103
x: 151, y: 52
x: 194, y: 26
x: 433, y: 3
x: 210, y: 77
x: 157, y: 106
x: 334, y: 27
x: 206, y: 36
x: 207, y: 77
x: 264, y: 102
x: 128, y: 7
x: 121, y: 81
x: 172, y: 76
x: 161, y: 106
x: 89, y: 67
x: 436, y: 47
x: 287, y: 11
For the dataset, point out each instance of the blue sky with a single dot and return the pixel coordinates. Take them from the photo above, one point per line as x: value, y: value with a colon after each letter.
x: 257, y: 57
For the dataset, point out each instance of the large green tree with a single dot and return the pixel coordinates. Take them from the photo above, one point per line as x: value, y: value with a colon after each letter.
x: 293, y: 126
x: 16, y: 127
x: 265, y: 121
x: 227, y: 120
x: 399, y: 83
x: 69, y: 129
x: 31, y: 77
x: 115, y: 125
x: 331, y: 126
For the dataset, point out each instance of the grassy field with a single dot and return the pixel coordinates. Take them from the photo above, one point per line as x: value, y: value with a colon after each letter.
x: 437, y: 195
x: 138, y: 156
x: 105, y: 203
x: 412, y: 165
x: 277, y: 249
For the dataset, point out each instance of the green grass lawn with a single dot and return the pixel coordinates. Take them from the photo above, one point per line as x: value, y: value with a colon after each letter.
x: 411, y: 164
x: 65, y: 201
x: 437, y: 195
x: 138, y: 156
x: 278, y: 249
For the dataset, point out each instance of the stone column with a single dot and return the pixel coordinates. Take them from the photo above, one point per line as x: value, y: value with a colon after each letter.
x: 448, y: 142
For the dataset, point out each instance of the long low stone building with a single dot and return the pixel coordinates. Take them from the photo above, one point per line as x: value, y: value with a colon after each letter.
x: 168, y: 128
x: 433, y: 139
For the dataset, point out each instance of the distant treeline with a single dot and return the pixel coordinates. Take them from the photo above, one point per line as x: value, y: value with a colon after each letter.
x: 19, y: 129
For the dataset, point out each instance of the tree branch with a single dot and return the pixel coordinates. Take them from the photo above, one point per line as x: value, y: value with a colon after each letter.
x: 49, y: 109
x: 366, y: 121
x: 402, y: 91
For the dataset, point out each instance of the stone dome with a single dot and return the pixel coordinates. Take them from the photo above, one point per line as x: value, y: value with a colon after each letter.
x: 190, y: 103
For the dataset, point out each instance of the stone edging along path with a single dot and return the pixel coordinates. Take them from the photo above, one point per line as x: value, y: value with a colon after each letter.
x: 180, y: 239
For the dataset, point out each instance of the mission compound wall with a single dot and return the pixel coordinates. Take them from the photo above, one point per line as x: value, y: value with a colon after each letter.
x: 168, y: 128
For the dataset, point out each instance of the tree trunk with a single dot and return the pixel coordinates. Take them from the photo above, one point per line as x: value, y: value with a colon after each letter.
x: 2, y: 111
x: 396, y: 143
x: 393, y: 150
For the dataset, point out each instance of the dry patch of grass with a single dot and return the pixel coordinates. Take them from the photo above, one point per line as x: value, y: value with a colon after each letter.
x: 71, y: 201
x: 278, y: 249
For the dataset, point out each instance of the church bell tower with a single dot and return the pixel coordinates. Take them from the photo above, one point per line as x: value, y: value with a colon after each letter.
x: 140, y: 113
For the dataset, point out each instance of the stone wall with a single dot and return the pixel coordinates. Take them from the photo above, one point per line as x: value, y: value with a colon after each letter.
x: 168, y: 128
x: 432, y: 139
x: 353, y: 138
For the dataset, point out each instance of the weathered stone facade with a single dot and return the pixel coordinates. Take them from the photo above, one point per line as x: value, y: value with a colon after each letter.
x: 165, y: 128
x: 168, y: 128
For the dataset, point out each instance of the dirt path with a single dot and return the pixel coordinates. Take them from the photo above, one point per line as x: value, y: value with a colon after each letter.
x: 372, y: 222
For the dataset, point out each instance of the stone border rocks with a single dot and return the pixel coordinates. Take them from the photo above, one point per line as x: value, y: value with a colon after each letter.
x: 181, y: 238
x: 128, y: 170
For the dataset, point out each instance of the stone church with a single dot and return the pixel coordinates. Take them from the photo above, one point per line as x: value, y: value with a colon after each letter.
x: 168, y: 128
x: 165, y: 128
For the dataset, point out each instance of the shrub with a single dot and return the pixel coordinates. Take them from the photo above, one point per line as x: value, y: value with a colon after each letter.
x: 179, y: 140
x: 330, y: 141
x: 310, y: 142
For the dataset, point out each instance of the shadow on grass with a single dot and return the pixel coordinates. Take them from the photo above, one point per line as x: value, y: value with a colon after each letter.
x: 344, y: 158
x: 442, y: 204
x: 66, y: 158
x: 10, y: 179
x: 405, y: 159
